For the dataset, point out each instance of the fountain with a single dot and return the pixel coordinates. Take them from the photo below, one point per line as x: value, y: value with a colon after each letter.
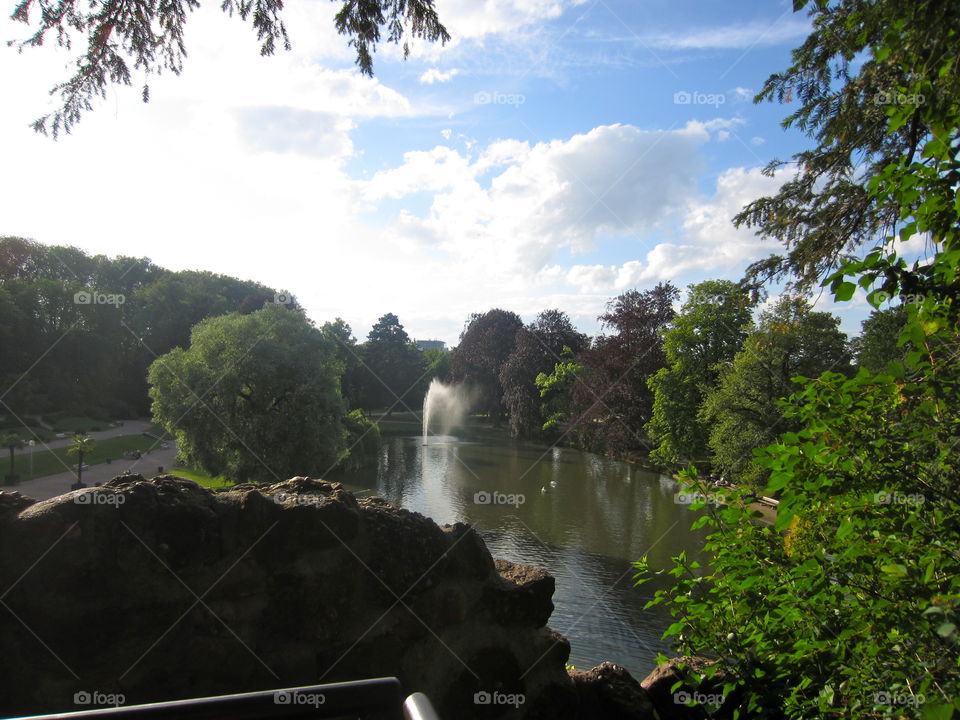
x: 443, y: 408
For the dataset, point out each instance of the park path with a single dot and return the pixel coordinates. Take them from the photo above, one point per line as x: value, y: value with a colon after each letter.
x: 129, y: 427
x: 148, y: 465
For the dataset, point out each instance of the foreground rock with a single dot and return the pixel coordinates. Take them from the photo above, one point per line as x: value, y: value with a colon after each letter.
x: 160, y: 589
x: 671, y: 703
x: 609, y: 692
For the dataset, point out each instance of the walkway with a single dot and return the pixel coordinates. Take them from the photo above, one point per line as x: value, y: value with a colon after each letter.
x: 148, y: 465
x: 129, y: 427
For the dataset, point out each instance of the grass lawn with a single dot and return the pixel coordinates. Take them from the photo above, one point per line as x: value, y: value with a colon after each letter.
x: 201, y: 478
x: 50, y: 462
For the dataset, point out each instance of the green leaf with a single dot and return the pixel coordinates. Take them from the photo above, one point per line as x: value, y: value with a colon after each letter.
x: 894, y: 569
x: 844, y: 291
x: 943, y: 711
x: 946, y: 629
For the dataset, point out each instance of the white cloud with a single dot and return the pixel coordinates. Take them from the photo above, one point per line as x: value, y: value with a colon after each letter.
x: 433, y: 75
x: 741, y: 36
x: 473, y: 19
x: 546, y: 198
x: 708, y: 244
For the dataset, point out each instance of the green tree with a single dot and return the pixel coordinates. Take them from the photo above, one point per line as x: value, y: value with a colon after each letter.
x: 556, y: 393
x: 121, y: 36
x: 341, y: 336
x: 865, y: 63
x: 708, y: 331
x: 877, y: 344
x: 537, y: 350
x: 80, y: 446
x: 255, y: 397
x: 854, y: 612
x: 742, y: 411
x: 392, y: 368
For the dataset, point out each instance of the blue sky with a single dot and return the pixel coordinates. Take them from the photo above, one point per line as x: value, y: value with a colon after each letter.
x: 554, y: 154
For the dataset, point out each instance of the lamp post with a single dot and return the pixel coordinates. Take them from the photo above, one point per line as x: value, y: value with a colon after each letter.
x: 32, y: 444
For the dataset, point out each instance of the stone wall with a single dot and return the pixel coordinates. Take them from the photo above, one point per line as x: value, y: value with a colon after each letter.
x: 160, y: 589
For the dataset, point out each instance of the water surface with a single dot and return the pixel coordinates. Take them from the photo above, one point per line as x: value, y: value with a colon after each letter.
x: 582, y: 517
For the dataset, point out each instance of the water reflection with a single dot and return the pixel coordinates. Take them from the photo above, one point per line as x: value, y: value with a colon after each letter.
x: 582, y: 517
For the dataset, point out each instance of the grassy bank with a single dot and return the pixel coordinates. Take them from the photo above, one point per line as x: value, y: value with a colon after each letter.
x: 51, y: 462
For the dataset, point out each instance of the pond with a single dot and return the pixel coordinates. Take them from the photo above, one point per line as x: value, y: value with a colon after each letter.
x: 581, y: 517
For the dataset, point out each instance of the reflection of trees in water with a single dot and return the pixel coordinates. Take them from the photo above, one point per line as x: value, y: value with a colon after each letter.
x: 601, y: 515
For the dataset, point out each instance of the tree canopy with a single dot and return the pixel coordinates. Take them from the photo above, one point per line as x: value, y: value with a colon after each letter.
x: 848, y: 605
x: 254, y: 397
x: 864, y: 63
x: 120, y: 36
x: 486, y: 343
x: 391, y: 368
x: 708, y: 331
x: 611, y: 399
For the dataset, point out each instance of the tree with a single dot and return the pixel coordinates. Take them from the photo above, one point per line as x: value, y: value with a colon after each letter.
x: 121, y: 36
x: 392, y: 367
x: 708, y: 332
x: 87, y: 327
x: 612, y: 402
x: 537, y: 350
x: 877, y: 344
x: 742, y: 411
x: 556, y: 393
x: 342, y: 340
x: 81, y: 446
x: 254, y: 397
x: 486, y: 342
x: 849, y: 605
x: 848, y: 91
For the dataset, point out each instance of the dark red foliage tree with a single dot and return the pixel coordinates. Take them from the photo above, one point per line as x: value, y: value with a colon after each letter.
x: 612, y: 403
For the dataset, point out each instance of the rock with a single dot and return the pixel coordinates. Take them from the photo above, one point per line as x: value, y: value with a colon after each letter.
x: 161, y: 589
x: 609, y: 692
x: 671, y: 704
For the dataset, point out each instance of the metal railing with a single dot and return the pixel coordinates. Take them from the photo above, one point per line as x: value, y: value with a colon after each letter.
x: 375, y: 699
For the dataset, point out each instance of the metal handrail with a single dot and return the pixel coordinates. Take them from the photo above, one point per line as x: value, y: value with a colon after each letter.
x: 418, y: 707
x: 377, y: 699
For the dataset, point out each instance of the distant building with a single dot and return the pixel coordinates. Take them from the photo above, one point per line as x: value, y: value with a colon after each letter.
x: 430, y: 345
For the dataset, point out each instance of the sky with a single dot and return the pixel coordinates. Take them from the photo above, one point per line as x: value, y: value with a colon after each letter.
x: 554, y: 154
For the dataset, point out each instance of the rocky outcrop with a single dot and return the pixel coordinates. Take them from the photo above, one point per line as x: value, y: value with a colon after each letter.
x: 609, y: 692
x: 160, y: 589
x: 671, y: 703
